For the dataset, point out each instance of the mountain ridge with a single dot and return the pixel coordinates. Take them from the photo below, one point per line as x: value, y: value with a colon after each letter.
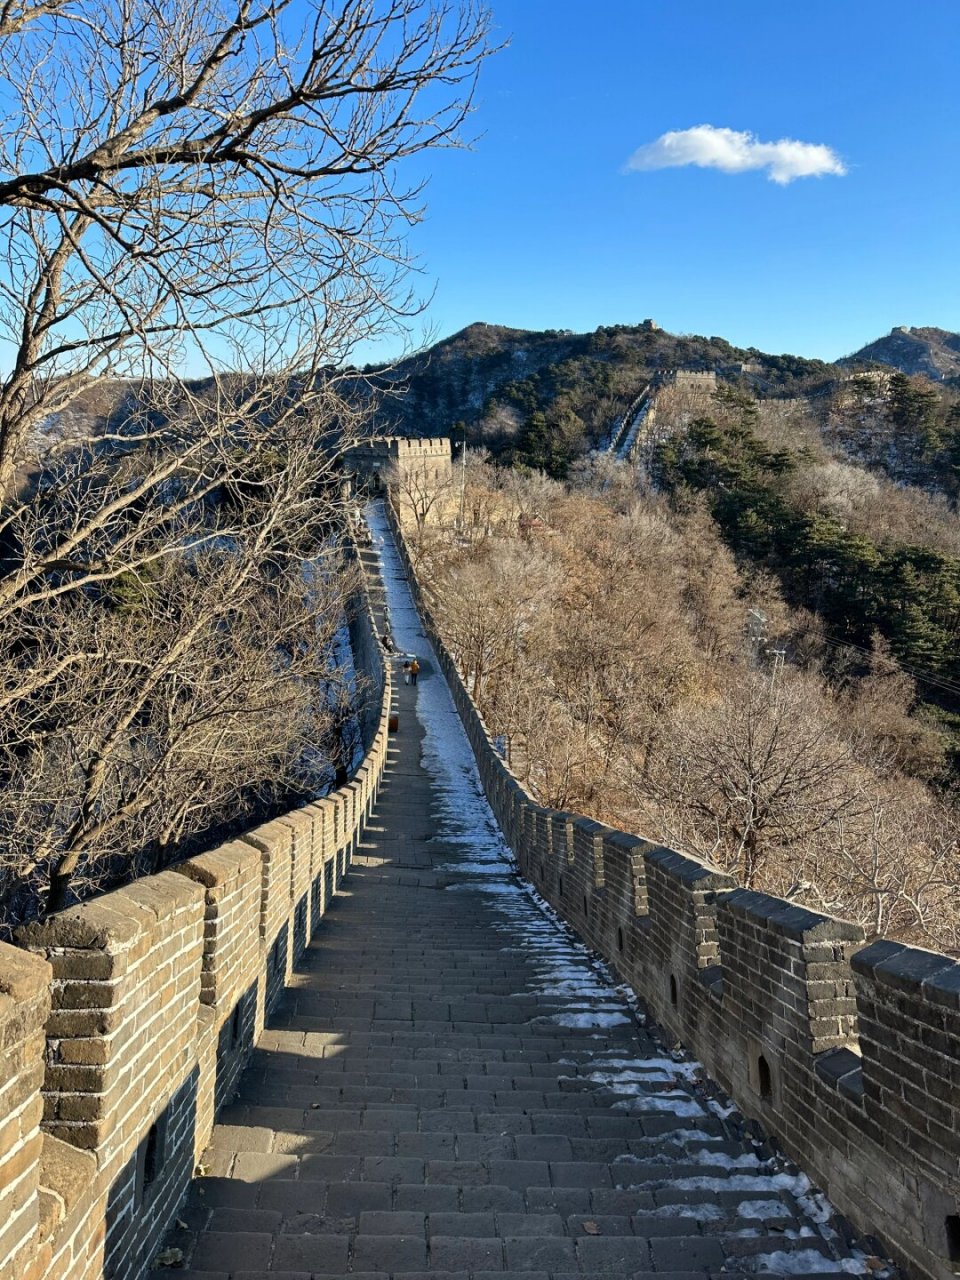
x: 926, y: 350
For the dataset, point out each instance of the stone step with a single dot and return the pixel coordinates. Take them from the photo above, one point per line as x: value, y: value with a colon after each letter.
x: 460, y: 1248
x: 417, y: 1107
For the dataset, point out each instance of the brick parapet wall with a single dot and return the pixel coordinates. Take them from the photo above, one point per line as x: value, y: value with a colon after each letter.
x: 121, y: 1049
x: 848, y: 1054
x: 125, y: 1022
x: 367, y: 657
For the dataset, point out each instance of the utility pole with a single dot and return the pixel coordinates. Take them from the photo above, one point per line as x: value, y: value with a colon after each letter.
x: 463, y: 476
x: 778, y: 658
x: 756, y: 634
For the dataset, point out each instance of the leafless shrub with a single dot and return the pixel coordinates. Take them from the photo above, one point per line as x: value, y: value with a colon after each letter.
x: 607, y: 651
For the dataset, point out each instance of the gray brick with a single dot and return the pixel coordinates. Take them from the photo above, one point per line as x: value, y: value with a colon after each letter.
x: 262, y: 1275
x: 600, y: 1224
x: 529, y: 1224
x: 430, y: 1199
x: 329, y: 1168
x: 253, y: 1166
x: 426, y: 1146
x: 621, y: 1254
x: 389, y: 1253
x: 691, y: 1253
x: 394, y: 1223
x: 470, y: 1253
x: 510, y: 1275
x: 519, y: 1173
x: 459, y: 1173
x: 546, y: 1146
x: 392, y: 1169
x: 537, y: 1253
x: 229, y: 1250
x: 462, y: 1224
x: 364, y: 1142
x: 350, y: 1199
x: 579, y: 1173
x: 244, y: 1220
x: 491, y: 1199
x: 311, y: 1253
x: 562, y: 1200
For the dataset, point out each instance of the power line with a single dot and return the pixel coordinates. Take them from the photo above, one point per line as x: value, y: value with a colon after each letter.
x: 918, y: 673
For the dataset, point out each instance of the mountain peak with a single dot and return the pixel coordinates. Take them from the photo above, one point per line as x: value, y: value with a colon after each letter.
x: 932, y: 352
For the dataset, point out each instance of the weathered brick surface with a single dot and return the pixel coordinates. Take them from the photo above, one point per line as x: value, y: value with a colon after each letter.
x: 230, y: 972
x: 300, y: 825
x: 105, y: 1090
x: 231, y: 877
x: 327, y: 810
x: 24, y: 1007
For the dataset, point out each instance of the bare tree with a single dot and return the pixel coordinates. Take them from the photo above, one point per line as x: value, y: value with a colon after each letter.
x: 756, y: 772
x: 209, y: 187
x: 607, y: 654
x: 496, y: 608
x: 213, y: 182
x: 897, y: 870
x: 179, y: 671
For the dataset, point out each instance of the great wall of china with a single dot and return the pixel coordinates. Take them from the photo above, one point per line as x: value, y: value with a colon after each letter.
x: 125, y: 1022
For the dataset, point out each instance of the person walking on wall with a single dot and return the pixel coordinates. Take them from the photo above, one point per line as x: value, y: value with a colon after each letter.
x: 414, y: 671
x: 406, y: 672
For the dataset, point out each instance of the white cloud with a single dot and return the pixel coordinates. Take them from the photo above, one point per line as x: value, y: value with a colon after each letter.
x: 708, y: 147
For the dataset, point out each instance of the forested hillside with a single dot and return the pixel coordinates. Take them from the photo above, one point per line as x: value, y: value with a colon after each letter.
x: 935, y: 353
x: 635, y: 669
x: 817, y: 497
x: 865, y: 554
x: 742, y: 641
x: 544, y: 399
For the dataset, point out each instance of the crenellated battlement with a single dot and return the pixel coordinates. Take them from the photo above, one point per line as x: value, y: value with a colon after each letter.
x: 848, y: 1054
x: 399, y: 460
x: 422, y: 446
x: 704, y: 380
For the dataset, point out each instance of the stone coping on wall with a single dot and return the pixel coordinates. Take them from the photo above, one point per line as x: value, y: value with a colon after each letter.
x: 848, y: 1054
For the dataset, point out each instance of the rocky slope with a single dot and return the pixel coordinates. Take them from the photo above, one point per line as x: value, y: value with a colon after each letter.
x: 934, y: 353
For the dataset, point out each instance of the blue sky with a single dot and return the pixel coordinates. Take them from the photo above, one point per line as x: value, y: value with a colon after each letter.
x: 539, y: 226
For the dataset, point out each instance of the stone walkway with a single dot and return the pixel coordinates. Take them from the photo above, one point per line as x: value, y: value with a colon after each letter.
x: 452, y: 1088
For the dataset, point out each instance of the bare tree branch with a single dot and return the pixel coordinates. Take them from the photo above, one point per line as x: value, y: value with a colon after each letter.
x: 210, y: 187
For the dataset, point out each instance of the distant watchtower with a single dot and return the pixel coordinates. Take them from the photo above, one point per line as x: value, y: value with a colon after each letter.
x: 705, y: 380
x: 421, y: 460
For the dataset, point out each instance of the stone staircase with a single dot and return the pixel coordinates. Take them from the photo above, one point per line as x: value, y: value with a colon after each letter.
x: 453, y: 1087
